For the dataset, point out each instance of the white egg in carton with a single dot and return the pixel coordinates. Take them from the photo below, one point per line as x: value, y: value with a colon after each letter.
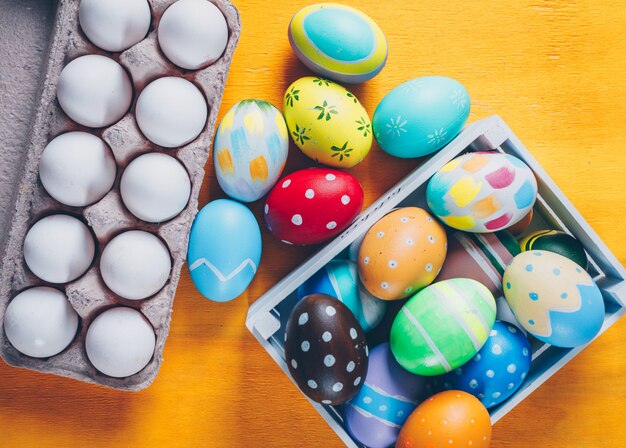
x: 62, y: 225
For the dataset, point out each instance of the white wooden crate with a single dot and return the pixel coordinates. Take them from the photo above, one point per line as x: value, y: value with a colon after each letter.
x: 268, y: 315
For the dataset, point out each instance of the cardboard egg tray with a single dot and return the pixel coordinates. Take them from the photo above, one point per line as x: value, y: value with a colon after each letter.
x: 88, y: 294
x: 267, y: 317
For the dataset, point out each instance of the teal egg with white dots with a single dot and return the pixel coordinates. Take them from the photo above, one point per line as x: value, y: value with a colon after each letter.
x: 340, y: 279
x: 553, y: 298
x: 421, y: 116
x: 497, y: 370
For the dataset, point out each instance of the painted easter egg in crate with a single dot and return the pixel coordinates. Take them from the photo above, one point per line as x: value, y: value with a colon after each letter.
x: 325, y: 349
x: 482, y: 192
x: 553, y: 298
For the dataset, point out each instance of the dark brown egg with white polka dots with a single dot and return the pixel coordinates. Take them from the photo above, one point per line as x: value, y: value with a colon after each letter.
x: 311, y: 206
x: 325, y: 349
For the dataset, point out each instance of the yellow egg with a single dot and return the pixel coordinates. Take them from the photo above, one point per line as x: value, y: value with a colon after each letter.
x: 402, y: 253
x: 327, y: 122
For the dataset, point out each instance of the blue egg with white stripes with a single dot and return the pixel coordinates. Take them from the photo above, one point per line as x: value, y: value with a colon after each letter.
x: 388, y: 396
x: 497, y: 370
x: 340, y: 279
x: 224, y: 249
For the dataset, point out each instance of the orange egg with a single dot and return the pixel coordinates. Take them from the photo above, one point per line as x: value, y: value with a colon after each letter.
x: 449, y: 419
x: 402, y: 253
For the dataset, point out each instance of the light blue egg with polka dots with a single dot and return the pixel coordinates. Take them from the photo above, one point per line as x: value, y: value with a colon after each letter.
x: 497, y: 370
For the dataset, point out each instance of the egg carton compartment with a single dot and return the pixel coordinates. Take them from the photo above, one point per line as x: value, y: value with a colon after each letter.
x: 88, y: 295
x: 268, y: 315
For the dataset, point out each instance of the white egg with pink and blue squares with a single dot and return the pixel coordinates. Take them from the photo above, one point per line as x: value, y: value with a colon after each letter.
x: 482, y: 192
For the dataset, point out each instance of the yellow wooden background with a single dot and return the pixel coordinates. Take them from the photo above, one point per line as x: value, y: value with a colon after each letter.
x: 553, y: 69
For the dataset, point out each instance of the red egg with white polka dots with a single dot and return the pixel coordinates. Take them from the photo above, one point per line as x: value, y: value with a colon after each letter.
x: 311, y: 206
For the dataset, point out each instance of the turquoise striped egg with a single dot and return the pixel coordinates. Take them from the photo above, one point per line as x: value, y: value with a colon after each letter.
x: 338, y: 42
x: 421, y: 116
x: 250, y: 149
x: 340, y: 279
x: 224, y: 249
x: 441, y: 327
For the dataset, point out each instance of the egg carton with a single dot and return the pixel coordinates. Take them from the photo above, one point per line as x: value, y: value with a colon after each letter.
x: 268, y: 316
x: 108, y: 217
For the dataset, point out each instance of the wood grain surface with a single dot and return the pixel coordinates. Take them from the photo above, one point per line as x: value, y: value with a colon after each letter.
x: 553, y: 69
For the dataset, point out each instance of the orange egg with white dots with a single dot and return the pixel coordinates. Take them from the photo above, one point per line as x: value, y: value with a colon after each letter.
x: 402, y: 253
x: 449, y: 419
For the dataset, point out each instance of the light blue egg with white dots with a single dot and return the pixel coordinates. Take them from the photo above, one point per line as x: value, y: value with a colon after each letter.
x: 497, y: 370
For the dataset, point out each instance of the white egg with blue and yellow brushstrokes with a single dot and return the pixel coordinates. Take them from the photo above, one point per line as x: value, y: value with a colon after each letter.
x: 250, y: 149
x: 224, y: 250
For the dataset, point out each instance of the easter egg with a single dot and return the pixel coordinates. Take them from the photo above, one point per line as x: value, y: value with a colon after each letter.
x: 448, y: 419
x: 388, y: 396
x: 558, y: 242
x: 340, y: 279
x: 311, y: 206
x: 353, y: 249
x: 420, y: 116
x: 497, y: 370
x: 325, y: 349
x: 553, y: 298
x: 327, y: 122
x: 482, y: 192
x: 250, y: 149
x: 338, y: 42
x: 224, y: 249
x: 521, y: 226
x: 482, y: 257
x: 443, y: 326
x: 401, y: 253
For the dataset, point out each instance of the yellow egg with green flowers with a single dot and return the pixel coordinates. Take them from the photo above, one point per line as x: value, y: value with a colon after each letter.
x: 327, y: 122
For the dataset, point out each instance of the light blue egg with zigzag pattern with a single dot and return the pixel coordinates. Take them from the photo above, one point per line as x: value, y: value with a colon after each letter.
x: 224, y: 249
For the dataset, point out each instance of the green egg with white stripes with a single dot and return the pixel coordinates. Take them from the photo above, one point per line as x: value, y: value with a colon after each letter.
x: 443, y: 326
